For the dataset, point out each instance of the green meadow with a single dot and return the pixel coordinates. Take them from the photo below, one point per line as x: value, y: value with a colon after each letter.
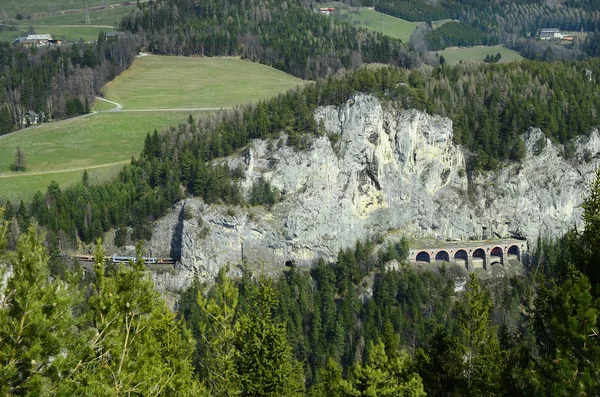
x: 370, y: 19
x: 62, y: 150
x: 27, y: 7
x: 70, y: 26
x: 155, y: 82
x: 454, y: 55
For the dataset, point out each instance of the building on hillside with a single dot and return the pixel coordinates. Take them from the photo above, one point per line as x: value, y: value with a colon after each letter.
x: 568, y: 38
x: 39, y: 39
x: 32, y: 117
x: 114, y: 35
x: 550, y: 34
x: 326, y: 10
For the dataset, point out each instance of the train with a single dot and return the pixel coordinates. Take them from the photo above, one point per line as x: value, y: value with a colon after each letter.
x: 125, y: 259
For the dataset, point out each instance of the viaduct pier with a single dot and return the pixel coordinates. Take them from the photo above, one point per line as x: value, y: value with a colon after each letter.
x: 470, y: 254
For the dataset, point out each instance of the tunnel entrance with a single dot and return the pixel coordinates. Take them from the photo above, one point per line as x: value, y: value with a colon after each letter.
x: 442, y: 256
x: 496, y: 256
x: 423, y: 256
x: 514, y: 252
x: 479, y: 258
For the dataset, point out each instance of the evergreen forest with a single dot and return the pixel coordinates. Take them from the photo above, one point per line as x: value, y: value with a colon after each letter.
x: 57, y: 82
x: 352, y: 327
x: 349, y: 328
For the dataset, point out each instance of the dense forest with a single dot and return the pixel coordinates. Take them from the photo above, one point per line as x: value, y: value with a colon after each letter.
x: 287, y: 36
x: 457, y: 34
x: 349, y: 328
x: 491, y: 105
x: 56, y: 81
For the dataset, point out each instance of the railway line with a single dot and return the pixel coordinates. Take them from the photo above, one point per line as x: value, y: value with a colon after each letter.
x: 123, y: 259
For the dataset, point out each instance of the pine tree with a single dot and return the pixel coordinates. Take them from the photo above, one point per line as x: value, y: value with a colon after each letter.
x: 37, y: 328
x: 566, y: 325
x: 263, y: 361
x: 134, y: 344
x: 484, y: 362
x: 20, y: 160
x: 385, y: 376
x: 218, y: 334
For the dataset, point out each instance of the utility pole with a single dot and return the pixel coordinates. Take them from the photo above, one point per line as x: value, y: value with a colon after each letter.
x: 87, y: 14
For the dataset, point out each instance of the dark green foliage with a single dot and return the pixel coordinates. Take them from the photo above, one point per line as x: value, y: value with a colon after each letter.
x: 492, y: 58
x: 20, y: 162
x: 457, y: 34
x: 263, y: 361
x: 413, y: 10
x: 262, y: 193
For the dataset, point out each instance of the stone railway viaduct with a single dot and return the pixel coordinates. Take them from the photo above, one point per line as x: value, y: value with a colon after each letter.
x: 471, y: 254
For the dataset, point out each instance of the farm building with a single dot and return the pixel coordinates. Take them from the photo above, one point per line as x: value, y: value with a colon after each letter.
x: 115, y: 35
x: 326, y: 10
x: 550, y: 34
x: 37, y: 40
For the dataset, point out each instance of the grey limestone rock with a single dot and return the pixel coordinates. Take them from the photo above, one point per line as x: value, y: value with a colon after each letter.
x: 391, y: 172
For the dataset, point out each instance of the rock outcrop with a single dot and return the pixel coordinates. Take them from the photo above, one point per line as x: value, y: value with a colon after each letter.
x: 377, y: 171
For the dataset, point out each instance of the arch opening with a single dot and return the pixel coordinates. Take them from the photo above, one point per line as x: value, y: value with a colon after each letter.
x: 479, y: 258
x: 514, y: 252
x: 462, y: 258
x: 496, y: 256
x: 442, y: 256
x: 423, y: 256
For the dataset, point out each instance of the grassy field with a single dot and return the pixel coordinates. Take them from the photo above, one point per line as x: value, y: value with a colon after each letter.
x: 477, y: 54
x: 70, y: 26
x: 26, y: 7
x: 373, y: 20
x: 155, y: 82
x: 25, y: 186
x: 102, y: 142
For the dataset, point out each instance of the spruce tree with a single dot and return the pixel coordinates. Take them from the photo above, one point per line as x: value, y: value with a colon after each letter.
x: 37, y: 327
x: 263, y: 361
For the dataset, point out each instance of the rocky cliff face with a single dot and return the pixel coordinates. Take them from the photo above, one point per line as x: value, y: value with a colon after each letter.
x: 390, y: 172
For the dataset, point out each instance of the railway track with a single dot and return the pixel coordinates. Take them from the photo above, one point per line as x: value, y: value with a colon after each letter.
x: 123, y: 259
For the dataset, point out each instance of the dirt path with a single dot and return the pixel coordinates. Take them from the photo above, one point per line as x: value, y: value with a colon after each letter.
x: 65, y: 170
x: 116, y: 109
x: 75, y: 26
x: 171, y: 110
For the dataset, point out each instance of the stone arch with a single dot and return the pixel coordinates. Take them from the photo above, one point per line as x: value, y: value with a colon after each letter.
x: 423, y: 256
x: 461, y: 256
x: 442, y: 255
x: 497, y: 255
x: 479, y: 253
x: 514, y: 250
